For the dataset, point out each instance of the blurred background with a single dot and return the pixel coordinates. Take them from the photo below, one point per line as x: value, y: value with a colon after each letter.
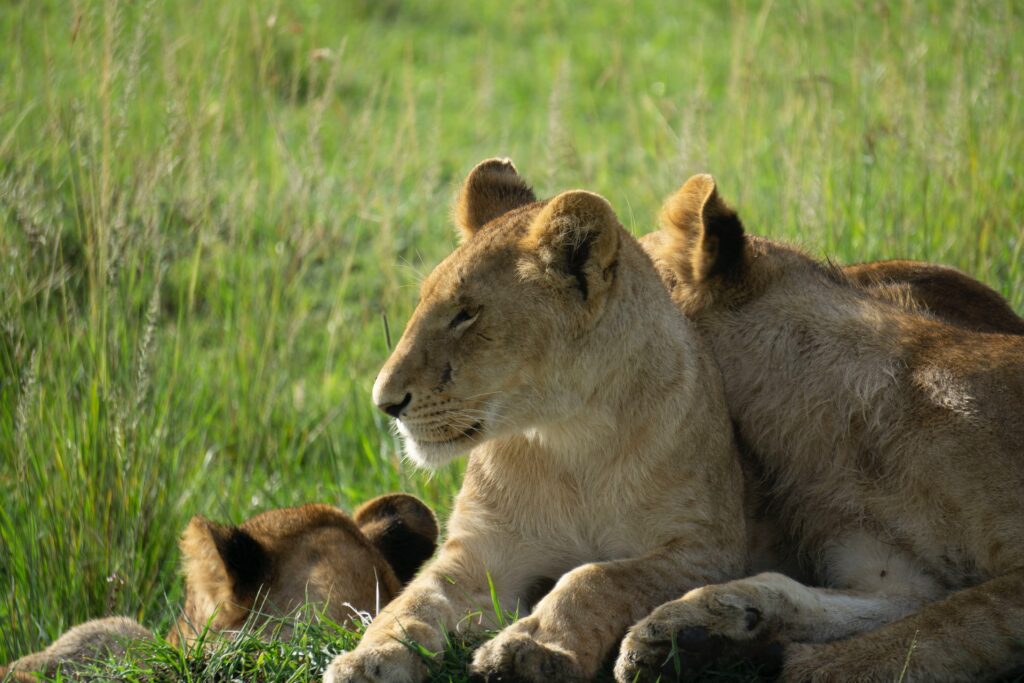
x: 208, y: 209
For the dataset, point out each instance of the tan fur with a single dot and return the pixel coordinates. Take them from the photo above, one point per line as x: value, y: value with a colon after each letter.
x: 892, y: 443
x: 600, y: 454
x: 928, y: 288
x: 264, y: 569
x: 96, y: 639
x: 493, y: 186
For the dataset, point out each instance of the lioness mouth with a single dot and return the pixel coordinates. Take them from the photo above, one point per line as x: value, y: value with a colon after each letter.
x: 470, y: 432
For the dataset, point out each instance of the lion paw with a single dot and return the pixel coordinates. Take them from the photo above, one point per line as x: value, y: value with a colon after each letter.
x: 688, y: 634
x: 387, y: 664
x: 516, y: 655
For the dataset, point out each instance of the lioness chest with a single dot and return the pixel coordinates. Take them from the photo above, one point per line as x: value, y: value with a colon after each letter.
x: 572, y: 516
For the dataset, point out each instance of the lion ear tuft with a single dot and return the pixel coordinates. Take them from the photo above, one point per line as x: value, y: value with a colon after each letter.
x: 492, y: 188
x: 700, y: 223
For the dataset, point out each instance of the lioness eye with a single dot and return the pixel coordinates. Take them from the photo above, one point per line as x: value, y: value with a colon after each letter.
x: 461, y: 318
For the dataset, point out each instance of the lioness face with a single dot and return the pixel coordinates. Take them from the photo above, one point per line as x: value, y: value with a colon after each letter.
x: 480, y: 355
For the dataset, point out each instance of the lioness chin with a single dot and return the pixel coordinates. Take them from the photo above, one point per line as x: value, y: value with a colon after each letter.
x: 891, y: 443
x: 600, y: 452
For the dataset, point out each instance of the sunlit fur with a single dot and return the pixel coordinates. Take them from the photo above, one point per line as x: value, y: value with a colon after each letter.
x: 264, y: 569
x: 890, y: 443
x: 601, y: 458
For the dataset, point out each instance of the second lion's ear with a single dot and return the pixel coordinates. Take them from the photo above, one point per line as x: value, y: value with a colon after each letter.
x: 403, y: 529
x: 492, y: 188
x: 704, y: 232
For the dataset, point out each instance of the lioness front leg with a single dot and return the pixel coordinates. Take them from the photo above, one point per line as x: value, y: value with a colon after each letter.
x: 745, y: 616
x: 973, y: 634
x: 575, y: 626
x: 452, y: 591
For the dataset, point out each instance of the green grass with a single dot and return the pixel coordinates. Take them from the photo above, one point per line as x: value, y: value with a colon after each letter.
x: 206, y: 207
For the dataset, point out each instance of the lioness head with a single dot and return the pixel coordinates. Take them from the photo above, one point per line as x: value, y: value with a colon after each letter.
x: 315, y: 554
x: 489, y: 347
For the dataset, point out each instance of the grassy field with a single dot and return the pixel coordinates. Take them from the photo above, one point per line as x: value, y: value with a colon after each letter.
x: 207, y: 207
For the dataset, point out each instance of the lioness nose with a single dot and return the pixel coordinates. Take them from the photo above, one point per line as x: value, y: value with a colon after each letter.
x: 395, y: 410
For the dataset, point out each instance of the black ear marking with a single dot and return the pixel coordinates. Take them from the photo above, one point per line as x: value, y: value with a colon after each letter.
x: 245, y: 560
x: 576, y: 259
x: 723, y: 241
x: 404, y: 549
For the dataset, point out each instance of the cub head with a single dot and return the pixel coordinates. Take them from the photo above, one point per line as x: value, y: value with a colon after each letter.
x: 700, y: 251
x: 282, y: 559
x: 498, y: 341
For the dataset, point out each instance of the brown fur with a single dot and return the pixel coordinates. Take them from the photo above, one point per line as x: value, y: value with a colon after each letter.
x: 942, y: 291
x: 265, y: 569
x: 893, y: 445
x: 600, y: 454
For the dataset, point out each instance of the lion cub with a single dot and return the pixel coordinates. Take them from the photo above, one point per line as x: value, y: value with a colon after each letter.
x: 600, y: 451
x: 892, y: 443
x: 270, y: 565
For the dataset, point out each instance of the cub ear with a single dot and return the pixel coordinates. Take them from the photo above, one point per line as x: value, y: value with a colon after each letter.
x: 403, y: 529
x: 577, y: 235
x: 492, y: 188
x: 703, y: 228
x: 223, y: 564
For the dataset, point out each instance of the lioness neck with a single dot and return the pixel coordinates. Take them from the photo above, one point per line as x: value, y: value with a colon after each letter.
x: 637, y: 378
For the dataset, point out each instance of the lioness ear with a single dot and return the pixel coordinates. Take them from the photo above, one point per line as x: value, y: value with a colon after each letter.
x: 703, y: 226
x: 223, y: 564
x: 492, y: 188
x: 577, y: 235
x: 402, y: 528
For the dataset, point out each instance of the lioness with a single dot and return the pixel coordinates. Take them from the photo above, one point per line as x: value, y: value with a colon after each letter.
x: 600, y: 452
x: 893, y: 446
x: 271, y: 564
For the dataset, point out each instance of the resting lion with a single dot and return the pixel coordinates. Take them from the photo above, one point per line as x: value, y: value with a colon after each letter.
x: 892, y: 445
x: 600, y: 452
x: 936, y: 290
x: 274, y: 562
